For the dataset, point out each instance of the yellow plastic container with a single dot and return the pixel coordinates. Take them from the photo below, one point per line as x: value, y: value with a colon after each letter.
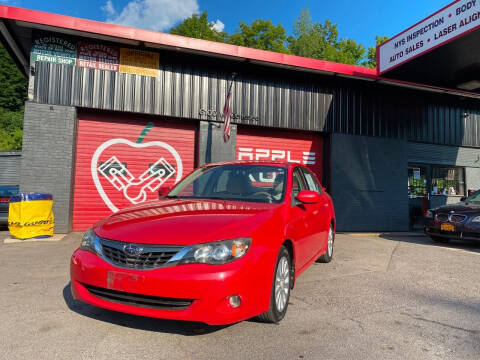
x: 30, y: 215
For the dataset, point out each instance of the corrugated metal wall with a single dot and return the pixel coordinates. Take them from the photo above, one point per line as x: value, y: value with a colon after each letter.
x: 320, y: 103
x: 443, y: 155
x: 10, y: 162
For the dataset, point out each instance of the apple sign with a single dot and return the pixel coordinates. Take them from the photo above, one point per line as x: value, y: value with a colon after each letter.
x: 134, y: 189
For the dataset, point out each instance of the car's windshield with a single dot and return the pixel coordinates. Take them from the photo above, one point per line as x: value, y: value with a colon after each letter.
x: 242, y: 182
x: 475, y: 197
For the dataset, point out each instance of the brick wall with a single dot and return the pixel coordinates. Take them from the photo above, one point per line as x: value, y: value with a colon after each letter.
x: 47, y: 156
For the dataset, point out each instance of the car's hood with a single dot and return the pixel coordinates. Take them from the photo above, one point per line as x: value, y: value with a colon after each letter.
x: 461, y: 207
x: 184, y: 222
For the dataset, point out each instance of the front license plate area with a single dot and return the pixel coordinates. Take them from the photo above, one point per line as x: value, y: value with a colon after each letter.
x: 447, y: 227
x: 123, y: 281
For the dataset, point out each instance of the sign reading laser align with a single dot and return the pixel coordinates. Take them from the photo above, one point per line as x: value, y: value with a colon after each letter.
x: 458, y: 18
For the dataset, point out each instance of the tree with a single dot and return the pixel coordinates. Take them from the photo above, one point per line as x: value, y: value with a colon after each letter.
x: 200, y: 28
x: 262, y: 34
x: 371, y: 61
x: 320, y: 41
x: 13, y: 93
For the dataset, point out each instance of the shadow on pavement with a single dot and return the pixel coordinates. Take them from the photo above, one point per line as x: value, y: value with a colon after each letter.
x: 425, y: 240
x: 185, y: 328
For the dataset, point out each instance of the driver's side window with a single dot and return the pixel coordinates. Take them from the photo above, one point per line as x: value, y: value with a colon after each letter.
x: 298, y: 184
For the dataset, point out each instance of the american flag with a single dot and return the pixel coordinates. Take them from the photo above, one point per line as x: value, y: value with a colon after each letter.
x: 226, y: 114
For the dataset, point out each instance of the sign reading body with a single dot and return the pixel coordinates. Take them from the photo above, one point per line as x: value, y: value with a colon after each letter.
x: 98, y: 56
x: 54, y: 49
x: 139, y: 62
x: 458, y: 18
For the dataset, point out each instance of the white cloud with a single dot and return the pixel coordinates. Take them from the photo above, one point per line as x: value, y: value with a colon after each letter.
x: 109, y: 9
x: 158, y: 15
x: 218, y: 25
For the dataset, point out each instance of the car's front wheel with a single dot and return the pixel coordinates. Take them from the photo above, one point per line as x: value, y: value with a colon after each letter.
x: 280, y: 293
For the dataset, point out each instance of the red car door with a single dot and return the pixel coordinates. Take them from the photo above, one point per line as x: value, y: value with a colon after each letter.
x: 300, y: 228
x: 319, y: 214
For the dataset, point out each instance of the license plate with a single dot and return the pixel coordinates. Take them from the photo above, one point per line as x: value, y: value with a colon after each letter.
x: 447, y: 227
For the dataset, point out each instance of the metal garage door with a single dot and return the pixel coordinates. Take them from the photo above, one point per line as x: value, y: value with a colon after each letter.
x: 123, y: 160
x: 266, y: 144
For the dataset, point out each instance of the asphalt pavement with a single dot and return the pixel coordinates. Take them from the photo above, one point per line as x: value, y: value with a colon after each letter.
x: 382, y: 297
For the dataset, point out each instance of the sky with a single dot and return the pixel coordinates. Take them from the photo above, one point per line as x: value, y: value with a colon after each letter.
x: 357, y: 20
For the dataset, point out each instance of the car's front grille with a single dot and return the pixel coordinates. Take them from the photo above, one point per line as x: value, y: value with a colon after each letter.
x: 145, y: 257
x: 455, y: 218
x: 147, y: 301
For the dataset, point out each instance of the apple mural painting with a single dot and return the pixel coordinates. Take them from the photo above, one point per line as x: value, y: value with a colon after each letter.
x: 113, y: 173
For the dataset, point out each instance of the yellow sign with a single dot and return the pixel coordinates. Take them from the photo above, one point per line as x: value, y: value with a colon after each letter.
x: 139, y: 62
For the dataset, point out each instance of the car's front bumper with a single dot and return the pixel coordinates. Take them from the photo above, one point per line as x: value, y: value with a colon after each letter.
x: 209, y: 286
x: 463, y: 231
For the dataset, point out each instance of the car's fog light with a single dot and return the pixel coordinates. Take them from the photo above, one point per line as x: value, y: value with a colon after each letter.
x: 235, y: 301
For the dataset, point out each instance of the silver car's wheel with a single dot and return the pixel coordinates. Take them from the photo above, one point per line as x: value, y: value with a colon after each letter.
x: 280, y: 290
x: 328, y: 255
x: 282, y: 284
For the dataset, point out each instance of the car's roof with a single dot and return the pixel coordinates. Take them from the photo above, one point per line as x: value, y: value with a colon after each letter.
x: 252, y: 162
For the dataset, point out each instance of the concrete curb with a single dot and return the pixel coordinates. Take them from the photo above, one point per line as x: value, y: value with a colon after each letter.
x: 50, y: 239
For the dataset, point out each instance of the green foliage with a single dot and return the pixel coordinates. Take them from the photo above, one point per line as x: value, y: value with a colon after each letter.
x: 261, y: 34
x: 199, y: 27
x: 320, y: 41
x: 13, y: 93
x: 371, y: 61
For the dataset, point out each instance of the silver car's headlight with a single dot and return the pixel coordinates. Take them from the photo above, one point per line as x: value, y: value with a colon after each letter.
x: 476, y: 219
x: 91, y: 242
x: 215, y: 253
x: 429, y: 214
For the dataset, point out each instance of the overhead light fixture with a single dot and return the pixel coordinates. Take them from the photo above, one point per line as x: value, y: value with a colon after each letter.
x: 469, y: 85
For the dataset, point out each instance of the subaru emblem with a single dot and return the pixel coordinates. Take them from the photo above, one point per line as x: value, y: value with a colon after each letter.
x: 132, y: 250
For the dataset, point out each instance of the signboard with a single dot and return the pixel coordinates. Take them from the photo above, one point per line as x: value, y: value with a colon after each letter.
x: 98, y: 56
x: 450, y: 22
x: 416, y: 173
x: 54, y: 49
x: 139, y: 62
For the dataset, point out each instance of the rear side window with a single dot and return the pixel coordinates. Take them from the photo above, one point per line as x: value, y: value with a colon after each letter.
x: 311, y: 181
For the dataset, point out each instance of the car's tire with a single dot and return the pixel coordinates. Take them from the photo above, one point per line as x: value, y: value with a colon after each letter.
x: 439, y: 239
x: 328, y: 256
x: 280, y: 293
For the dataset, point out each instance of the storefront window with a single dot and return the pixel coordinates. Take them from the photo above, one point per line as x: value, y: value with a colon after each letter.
x: 448, y: 181
x: 417, y: 182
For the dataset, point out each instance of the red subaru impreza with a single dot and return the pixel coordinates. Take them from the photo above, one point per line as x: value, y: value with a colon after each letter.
x: 226, y: 244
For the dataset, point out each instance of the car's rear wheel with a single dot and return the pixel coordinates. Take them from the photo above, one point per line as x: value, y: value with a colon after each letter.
x: 440, y: 239
x: 280, y: 293
x: 328, y: 256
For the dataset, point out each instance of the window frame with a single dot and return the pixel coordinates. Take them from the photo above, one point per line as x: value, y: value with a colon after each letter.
x: 461, y: 182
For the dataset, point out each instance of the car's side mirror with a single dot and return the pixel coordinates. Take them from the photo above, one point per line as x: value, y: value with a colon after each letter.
x: 463, y: 198
x: 163, y: 191
x: 308, y: 197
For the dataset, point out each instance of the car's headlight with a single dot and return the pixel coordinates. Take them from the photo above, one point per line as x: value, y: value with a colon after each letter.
x: 429, y: 214
x: 215, y: 253
x: 91, y: 242
x: 476, y: 219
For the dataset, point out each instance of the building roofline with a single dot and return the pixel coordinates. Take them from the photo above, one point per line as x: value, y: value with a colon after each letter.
x: 158, y: 40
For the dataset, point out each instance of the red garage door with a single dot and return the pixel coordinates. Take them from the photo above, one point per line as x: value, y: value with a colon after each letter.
x: 305, y: 149
x: 123, y: 160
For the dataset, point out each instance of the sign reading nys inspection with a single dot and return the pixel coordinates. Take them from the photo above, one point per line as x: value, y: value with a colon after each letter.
x: 139, y: 62
x: 98, y: 56
x: 54, y: 49
x: 458, y: 18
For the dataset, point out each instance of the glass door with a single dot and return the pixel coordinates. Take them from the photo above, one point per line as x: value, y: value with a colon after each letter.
x: 418, y: 194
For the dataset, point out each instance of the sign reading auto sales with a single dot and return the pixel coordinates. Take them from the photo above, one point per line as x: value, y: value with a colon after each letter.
x: 456, y: 19
x: 98, y: 56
